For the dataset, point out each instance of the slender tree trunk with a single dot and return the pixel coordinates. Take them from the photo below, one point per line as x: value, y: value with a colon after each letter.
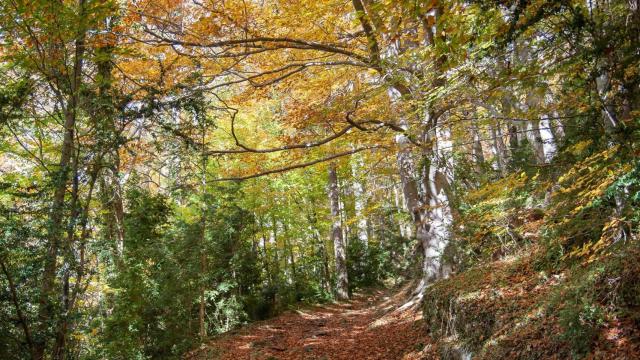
x: 274, y: 242
x: 55, y: 231
x: 340, y: 251
x: 312, y: 218
x: 360, y: 201
x: 609, y: 116
x: 202, y: 313
x: 514, y: 139
x: 16, y: 303
x: 289, y: 248
x: 59, y: 349
x: 557, y: 128
x: 478, y: 154
x: 403, y: 227
x: 535, y: 139
x: 406, y: 169
x: 202, y: 309
x: 265, y: 253
x: 499, y: 149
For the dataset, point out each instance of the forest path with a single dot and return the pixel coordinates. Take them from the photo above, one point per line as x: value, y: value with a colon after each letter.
x: 372, y: 325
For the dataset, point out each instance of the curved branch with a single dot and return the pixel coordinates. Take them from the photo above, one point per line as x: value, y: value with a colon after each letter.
x: 359, y: 125
x: 290, y: 43
x: 246, y: 149
x: 298, y: 166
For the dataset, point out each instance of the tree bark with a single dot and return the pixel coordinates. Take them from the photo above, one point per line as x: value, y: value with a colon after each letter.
x: 478, y: 154
x: 439, y: 217
x: 56, y: 214
x: 340, y: 251
x: 360, y: 201
x: 499, y: 149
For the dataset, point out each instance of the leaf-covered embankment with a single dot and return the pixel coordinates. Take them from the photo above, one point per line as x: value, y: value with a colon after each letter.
x: 548, y: 274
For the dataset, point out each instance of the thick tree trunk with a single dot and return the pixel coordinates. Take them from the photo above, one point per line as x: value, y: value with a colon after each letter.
x: 340, y: 251
x: 436, y: 176
x: 436, y: 182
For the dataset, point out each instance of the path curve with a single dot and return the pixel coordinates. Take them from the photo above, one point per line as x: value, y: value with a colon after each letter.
x: 373, y: 325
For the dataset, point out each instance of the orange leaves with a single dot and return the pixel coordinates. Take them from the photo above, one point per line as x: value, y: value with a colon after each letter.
x: 370, y: 327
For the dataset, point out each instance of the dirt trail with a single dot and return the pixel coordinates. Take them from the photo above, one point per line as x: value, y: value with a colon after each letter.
x: 374, y: 325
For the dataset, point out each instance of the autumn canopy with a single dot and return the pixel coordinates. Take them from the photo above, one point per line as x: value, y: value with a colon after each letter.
x: 172, y: 170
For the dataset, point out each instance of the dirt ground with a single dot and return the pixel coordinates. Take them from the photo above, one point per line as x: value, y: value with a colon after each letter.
x: 372, y: 325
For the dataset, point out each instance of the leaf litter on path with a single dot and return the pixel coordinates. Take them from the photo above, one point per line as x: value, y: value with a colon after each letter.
x: 372, y: 325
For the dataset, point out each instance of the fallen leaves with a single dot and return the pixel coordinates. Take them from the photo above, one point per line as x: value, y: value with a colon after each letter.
x: 372, y: 326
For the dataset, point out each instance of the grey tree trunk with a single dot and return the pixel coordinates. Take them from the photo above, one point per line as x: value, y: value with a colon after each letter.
x: 340, y: 251
x: 360, y: 200
x: 499, y: 149
x: 436, y: 177
x: 603, y: 85
x: 437, y: 198
x: 431, y: 179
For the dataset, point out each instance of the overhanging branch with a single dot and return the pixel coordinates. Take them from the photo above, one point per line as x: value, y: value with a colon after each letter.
x: 298, y: 166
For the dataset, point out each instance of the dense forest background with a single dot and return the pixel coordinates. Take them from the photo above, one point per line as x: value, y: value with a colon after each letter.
x: 173, y: 169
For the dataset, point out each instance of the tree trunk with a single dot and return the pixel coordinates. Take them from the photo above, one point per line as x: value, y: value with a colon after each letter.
x: 439, y: 215
x: 265, y: 258
x: 360, y: 201
x: 289, y: 250
x: 533, y: 132
x: 340, y: 251
x: 274, y: 241
x: 202, y: 311
x: 55, y: 231
x: 478, y: 154
x: 498, y: 148
x: 436, y: 177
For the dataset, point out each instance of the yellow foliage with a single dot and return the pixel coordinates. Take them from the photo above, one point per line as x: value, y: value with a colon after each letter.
x: 492, y: 192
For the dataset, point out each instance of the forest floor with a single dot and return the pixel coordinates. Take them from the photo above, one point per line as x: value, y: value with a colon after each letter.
x: 372, y: 325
